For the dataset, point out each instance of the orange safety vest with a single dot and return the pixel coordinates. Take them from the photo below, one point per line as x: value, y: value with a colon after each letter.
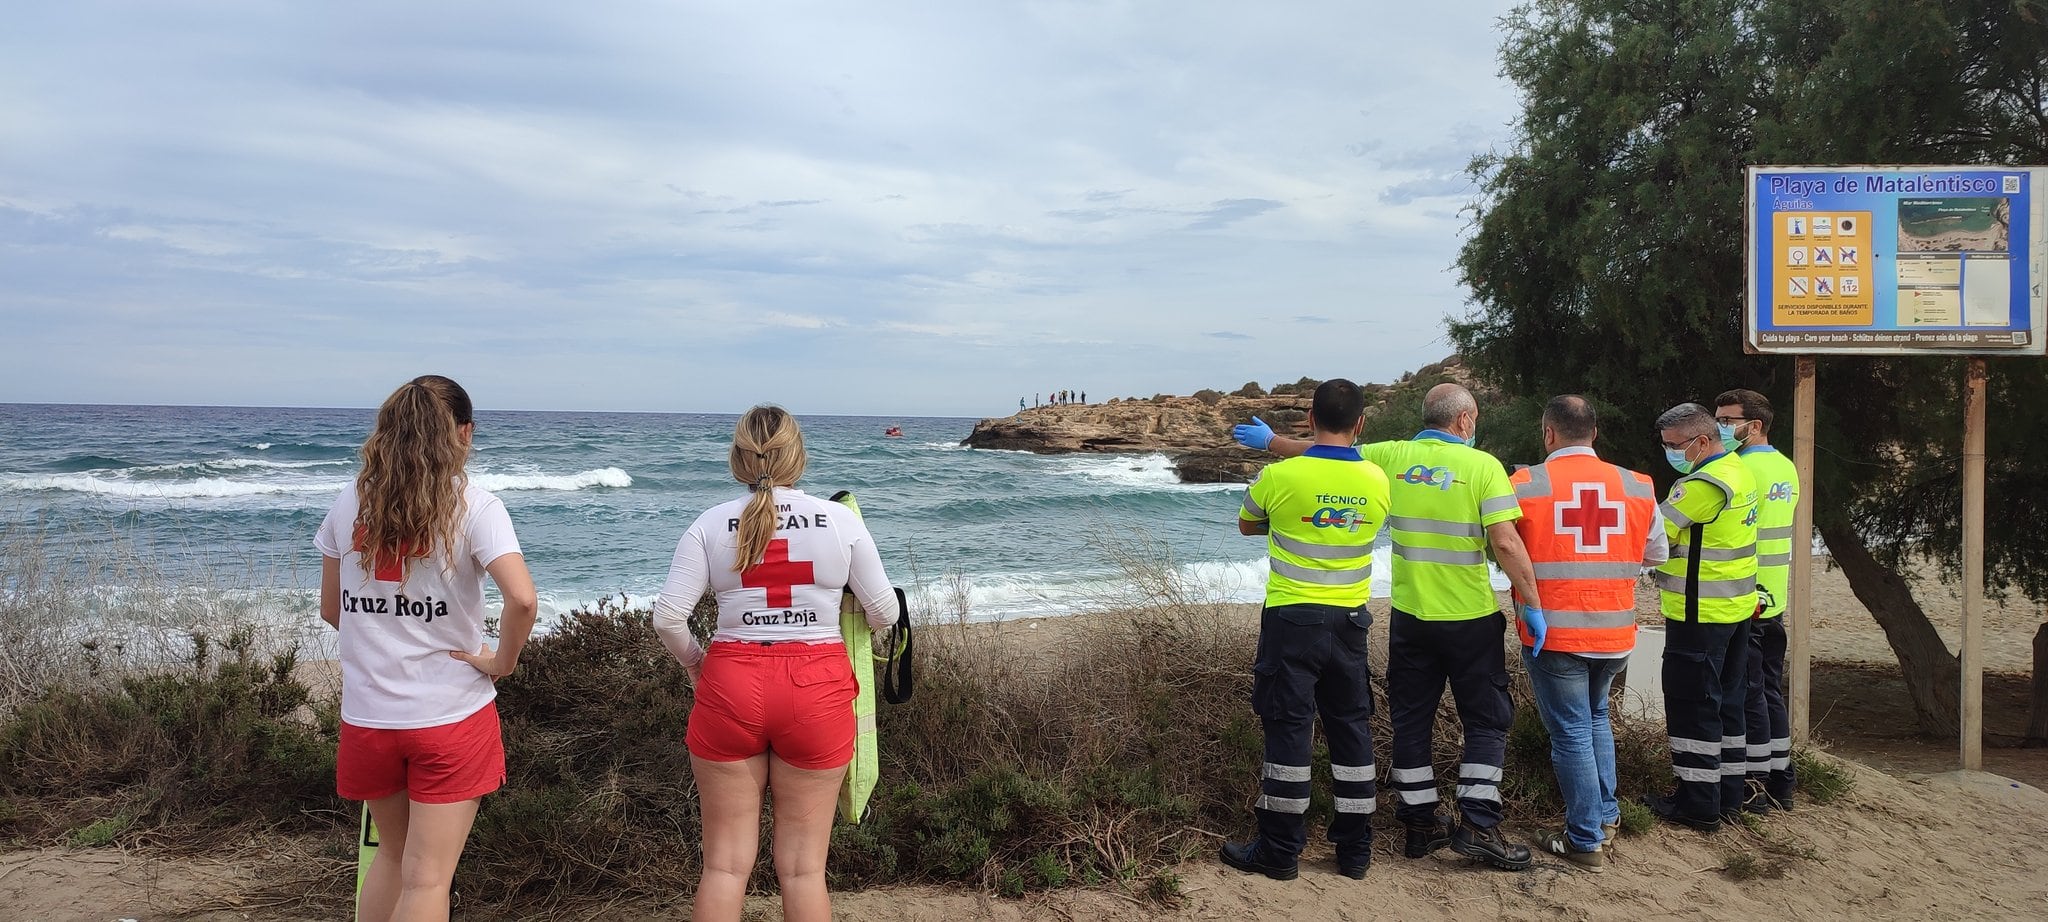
x: 1585, y: 522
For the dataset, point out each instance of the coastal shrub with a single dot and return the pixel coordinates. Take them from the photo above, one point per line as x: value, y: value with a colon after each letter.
x: 1161, y: 398
x: 1209, y: 396
x: 1304, y: 387
x: 1250, y: 389
x: 229, y: 740
x: 1820, y: 778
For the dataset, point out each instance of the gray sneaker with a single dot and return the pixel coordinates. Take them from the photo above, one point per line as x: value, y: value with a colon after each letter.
x: 1555, y: 843
x: 1608, y: 833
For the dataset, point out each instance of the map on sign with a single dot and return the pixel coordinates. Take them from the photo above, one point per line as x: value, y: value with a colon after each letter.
x: 1896, y: 259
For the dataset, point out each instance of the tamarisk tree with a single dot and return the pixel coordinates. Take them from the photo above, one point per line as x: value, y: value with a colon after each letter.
x: 1606, y: 256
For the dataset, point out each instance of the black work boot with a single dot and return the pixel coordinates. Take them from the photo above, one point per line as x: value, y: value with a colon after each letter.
x: 1426, y: 838
x: 1487, y: 845
x: 1666, y: 808
x: 1250, y: 858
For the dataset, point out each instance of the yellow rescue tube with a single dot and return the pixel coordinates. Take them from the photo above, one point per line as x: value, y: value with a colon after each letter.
x: 866, y: 769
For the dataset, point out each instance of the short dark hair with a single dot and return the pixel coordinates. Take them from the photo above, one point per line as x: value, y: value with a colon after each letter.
x: 1337, y: 405
x: 1754, y: 405
x: 1571, y: 416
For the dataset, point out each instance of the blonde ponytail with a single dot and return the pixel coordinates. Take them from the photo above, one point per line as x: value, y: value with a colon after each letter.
x: 767, y: 452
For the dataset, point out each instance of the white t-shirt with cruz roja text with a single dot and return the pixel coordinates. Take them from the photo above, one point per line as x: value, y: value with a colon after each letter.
x: 400, y: 620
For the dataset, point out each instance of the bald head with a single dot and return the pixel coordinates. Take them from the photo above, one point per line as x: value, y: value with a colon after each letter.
x: 1571, y: 419
x: 1446, y: 405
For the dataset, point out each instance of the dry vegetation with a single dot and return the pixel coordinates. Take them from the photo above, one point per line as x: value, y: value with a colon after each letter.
x: 1102, y: 757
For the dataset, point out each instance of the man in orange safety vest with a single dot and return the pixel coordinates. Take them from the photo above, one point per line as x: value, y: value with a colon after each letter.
x: 1590, y: 528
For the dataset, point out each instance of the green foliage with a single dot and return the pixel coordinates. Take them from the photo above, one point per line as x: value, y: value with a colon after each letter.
x: 233, y: 740
x: 1303, y: 387
x: 1821, y: 779
x: 101, y: 833
x: 1636, y: 818
x: 1606, y: 255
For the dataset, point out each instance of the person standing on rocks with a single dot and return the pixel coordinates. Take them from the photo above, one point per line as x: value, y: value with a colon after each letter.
x: 1451, y: 502
x: 1320, y: 513
x: 1590, y: 526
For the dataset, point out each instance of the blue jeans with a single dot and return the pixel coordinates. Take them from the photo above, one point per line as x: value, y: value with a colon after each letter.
x: 1571, y: 694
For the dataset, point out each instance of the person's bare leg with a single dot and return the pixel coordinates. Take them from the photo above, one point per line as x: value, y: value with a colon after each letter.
x: 433, y: 845
x: 729, y: 800
x: 805, y: 801
x: 381, y: 884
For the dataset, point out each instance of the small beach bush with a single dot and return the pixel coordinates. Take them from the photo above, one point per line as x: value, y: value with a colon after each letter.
x: 231, y: 740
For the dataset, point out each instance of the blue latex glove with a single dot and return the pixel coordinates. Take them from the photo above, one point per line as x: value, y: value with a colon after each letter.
x: 1255, y: 434
x: 1532, y: 618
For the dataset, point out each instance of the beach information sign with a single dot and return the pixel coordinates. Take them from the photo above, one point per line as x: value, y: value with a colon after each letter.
x: 1948, y: 260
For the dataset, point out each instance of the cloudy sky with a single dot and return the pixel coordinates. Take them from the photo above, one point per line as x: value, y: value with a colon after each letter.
x: 885, y: 207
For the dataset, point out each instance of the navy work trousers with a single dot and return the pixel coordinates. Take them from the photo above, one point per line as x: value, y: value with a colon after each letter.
x: 1706, y: 690
x: 1423, y: 656
x: 1312, y: 658
x: 1770, y: 728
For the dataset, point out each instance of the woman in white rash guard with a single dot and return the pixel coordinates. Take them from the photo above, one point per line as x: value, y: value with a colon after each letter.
x: 774, y: 695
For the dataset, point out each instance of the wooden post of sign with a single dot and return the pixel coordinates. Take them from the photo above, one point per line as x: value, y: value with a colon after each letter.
x: 1973, y: 566
x: 1798, y: 609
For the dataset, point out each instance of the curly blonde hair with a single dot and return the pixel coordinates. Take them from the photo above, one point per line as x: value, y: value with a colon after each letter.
x: 410, y: 489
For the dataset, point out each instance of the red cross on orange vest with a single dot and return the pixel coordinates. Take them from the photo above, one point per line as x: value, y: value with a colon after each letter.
x: 777, y: 574
x: 1592, y: 516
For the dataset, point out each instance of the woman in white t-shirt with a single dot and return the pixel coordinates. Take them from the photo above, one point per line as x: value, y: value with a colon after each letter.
x: 774, y: 695
x: 404, y: 553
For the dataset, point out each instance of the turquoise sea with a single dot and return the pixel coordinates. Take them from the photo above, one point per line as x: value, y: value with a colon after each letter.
x: 228, y: 498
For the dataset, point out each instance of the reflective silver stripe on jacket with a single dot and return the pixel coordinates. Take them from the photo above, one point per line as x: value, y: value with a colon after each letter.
x: 1497, y: 504
x: 1434, y: 526
x: 1301, y: 548
x: 1345, y: 577
x: 1438, y: 555
x: 1355, y: 804
x: 1774, y: 560
x: 1709, y: 588
x: 1641, y: 489
x: 1775, y: 533
x: 1709, y: 478
x: 1684, y: 551
x: 1588, y: 570
x: 1557, y: 617
x: 1694, y: 747
x: 1252, y: 506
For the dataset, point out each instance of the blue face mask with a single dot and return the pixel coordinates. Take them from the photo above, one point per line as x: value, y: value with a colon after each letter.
x: 1677, y: 458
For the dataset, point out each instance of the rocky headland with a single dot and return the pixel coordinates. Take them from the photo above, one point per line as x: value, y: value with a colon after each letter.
x: 1194, y: 430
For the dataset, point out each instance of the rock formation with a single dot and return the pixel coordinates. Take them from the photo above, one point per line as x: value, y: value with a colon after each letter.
x: 1194, y: 430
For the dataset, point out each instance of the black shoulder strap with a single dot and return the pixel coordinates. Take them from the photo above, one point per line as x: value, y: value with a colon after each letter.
x: 1692, y: 574
x: 896, y: 677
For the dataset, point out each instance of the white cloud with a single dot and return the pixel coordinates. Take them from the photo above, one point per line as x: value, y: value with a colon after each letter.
x: 971, y: 196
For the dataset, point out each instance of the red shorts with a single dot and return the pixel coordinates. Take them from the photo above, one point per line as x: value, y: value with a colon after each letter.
x: 795, y: 699
x: 447, y: 764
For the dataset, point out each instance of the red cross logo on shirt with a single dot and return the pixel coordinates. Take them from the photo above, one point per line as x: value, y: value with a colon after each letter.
x: 777, y: 574
x: 390, y: 567
x: 1590, y: 518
